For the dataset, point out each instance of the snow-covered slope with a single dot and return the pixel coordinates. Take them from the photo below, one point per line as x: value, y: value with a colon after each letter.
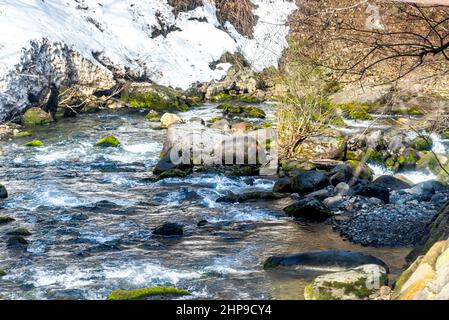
x: 43, y: 39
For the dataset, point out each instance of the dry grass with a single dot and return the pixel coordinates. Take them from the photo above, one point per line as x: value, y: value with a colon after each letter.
x: 239, y: 13
x: 184, y: 5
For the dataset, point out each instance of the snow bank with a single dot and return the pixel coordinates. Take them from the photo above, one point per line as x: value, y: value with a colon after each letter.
x: 141, y: 36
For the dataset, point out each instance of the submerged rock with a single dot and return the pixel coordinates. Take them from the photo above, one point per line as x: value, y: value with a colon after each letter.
x: 141, y: 294
x: 5, y: 220
x: 309, y: 209
x: 22, y: 232
x: 3, y: 192
x: 153, y: 116
x: 109, y: 141
x: 332, y: 260
x: 354, y: 284
x: 169, y: 230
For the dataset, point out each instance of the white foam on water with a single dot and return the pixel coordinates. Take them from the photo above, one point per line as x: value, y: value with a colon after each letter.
x: 380, y: 170
x: 438, y: 144
x: 418, y: 177
x: 143, y: 148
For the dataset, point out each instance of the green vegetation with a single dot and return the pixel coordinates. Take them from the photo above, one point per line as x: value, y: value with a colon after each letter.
x: 422, y: 143
x: 360, y: 114
x: 2, y: 272
x: 156, y: 97
x: 248, y: 99
x: 143, y: 293
x: 175, y: 173
x: 36, y: 116
x: 34, y: 143
x: 220, y: 97
x: 250, y: 111
x: 23, y: 134
x: 153, y: 116
x: 109, y: 141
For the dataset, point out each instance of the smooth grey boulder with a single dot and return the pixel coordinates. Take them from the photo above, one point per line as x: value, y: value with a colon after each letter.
x: 326, y: 260
x: 309, y: 181
x: 3, y: 192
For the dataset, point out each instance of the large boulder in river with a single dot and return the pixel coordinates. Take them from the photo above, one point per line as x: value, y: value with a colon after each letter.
x: 36, y: 116
x: 371, y: 191
x: 391, y: 183
x: 354, y: 284
x: 170, y: 118
x: 341, y: 173
x: 309, y: 209
x: 309, y: 181
x: 3, y: 192
x: 331, y: 260
x: 328, y: 145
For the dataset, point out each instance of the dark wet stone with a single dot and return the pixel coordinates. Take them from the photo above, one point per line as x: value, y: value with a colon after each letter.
x: 309, y: 181
x: 169, y: 229
x: 17, y: 241
x: 309, y: 209
x: 202, y: 223
x: 371, y: 191
x: 166, y: 165
x: 391, y: 183
x: 22, y: 232
x: 283, y: 185
x: 3, y: 192
x: 5, y: 220
x: 325, y: 260
x: 341, y: 173
x: 247, y: 196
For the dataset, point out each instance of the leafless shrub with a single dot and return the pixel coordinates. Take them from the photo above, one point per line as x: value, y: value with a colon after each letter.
x: 239, y: 13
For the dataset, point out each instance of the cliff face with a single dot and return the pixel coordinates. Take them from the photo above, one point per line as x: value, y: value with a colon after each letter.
x: 427, y: 278
x: 87, y: 42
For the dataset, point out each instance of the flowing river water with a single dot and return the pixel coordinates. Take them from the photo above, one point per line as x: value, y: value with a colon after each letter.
x: 91, y: 212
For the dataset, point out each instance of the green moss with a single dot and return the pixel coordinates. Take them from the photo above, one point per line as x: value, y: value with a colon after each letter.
x: 109, y: 141
x: 360, y: 114
x: 255, y: 112
x: 408, y: 111
x: 36, y: 116
x: 157, y: 98
x: 143, y: 293
x: 267, y: 125
x: 34, y: 143
x: 20, y: 232
x: 391, y: 162
x: 248, y: 99
x: 175, y: 173
x: 410, y: 157
x: 153, y: 116
x: 244, y: 171
x: 423, y: 143
x: 23, y: 134
x: 2, y: 272
x: 215, y: 119
x: 338, y: 121
x: 5, y: 220
x: 374, y: 156
x: 221, y: 97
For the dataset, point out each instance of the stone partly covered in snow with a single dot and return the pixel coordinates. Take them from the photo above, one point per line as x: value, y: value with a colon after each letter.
x: 3, y: 192
x: 109, y: 141
x: 36, y: 116
x: 327, y: 260
x: 354, y: 284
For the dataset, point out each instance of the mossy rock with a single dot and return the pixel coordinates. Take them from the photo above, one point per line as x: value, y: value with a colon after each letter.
x: 248, y: 99
x: 153, y: 116
x: 155, y: 97
x: 445, y: 134
x: 289, y: 165
x: 429, y: 162
x: 360, y: 114
x: 338, y: 122
x: 361, y: 169
x: 20, y: 232
x: 220, y: 97
x: 215, y: 119
x: 109, y: 141
x: 412, y: 111
x: 140, y: 294
x: 408, y: 159
x: 23, y: 134
x: 36, y: 116
x: 255, y: 112
x: 230, y: 108
x: 34, y: 144
x: 174, y: 173
x: 2, y: 272
x: 422, y: 143
x: 5, y: 220
x: 374, y: 156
